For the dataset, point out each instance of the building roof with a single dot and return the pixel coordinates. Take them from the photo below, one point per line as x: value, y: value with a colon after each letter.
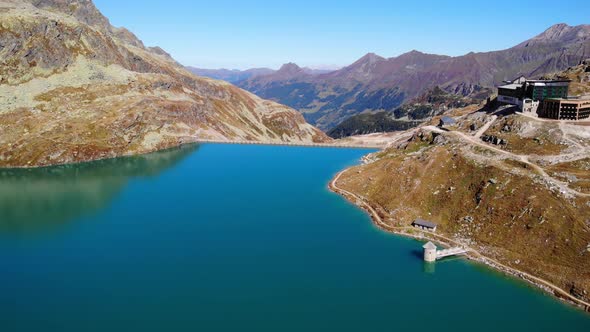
x: 429, y: 245
x: 447, y: 120
x: 520, y: 79
x: 424, y: 223
x: 512, y: 86
x: 576, y: 101
x: 550, y: 81
x: 518, y: 83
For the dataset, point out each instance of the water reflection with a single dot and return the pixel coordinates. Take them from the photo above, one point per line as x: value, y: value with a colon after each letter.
x: 429, y: 267
x: 37, y: 200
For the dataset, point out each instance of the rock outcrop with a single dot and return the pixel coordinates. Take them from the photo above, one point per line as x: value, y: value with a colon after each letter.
x: 74, y: 88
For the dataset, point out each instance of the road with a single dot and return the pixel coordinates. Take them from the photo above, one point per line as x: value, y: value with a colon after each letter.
x: 362, y: 202
x: 563, y: 187
x: 485, y: 128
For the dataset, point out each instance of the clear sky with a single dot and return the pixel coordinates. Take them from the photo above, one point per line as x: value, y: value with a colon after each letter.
x: 318, y: 33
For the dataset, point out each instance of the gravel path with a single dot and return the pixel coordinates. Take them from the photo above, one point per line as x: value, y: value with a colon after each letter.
x: 562, y: 186
x: 362, y: 202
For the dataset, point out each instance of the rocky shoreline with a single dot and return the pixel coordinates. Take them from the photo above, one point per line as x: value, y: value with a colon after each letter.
x: 472, y: 255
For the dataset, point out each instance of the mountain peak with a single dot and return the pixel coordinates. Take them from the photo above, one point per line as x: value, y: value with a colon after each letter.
x: 83, y: 10
x: 86, y: 12
x: 411, y: 55
x: 290, y: 68
x: 561, y: 33
x: 363, y: 69
x: 370, y: 58
x: 46, y: 38
x: 554, y: 32
x: 558, y: 26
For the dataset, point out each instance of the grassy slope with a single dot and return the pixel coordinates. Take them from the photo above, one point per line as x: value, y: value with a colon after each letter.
x: 432, y: 103
x: 518, y: 220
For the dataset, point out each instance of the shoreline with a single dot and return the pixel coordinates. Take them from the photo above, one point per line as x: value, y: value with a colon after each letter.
x: 206, y: 141
x: 472, y: 254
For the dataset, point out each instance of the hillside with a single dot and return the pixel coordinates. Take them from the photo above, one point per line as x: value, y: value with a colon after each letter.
x: 413, y: 113
x: 367, y: 123
x: 374, y: 83
x: 579, y: 75
x: 74, y: 88
x: 524, y: 202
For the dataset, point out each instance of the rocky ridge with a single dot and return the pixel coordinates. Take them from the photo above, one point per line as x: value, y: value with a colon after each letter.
x: 73, y: 88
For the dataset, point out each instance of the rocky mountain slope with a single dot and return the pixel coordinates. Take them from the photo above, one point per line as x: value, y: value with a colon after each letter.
x: 513, y: 188
x: 580, y: 77
x: 375, y: 83
x: 411, y: 114
x: 74, y: 88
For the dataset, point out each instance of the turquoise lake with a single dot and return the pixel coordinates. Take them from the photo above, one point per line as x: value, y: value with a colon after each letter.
x: 232, y: 238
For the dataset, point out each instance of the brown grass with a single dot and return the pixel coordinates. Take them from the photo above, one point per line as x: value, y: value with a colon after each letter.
x: 517, y: 221
x: 544, y: 139
x: 576, y: 172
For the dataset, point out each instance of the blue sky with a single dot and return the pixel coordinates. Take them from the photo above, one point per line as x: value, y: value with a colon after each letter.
x: 257, y: 33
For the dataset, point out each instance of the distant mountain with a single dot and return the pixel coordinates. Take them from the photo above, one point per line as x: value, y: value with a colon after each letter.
x: 413, y: 113
x: 74, y: 88
x: 235, y: 75
x: 230, y: 75
x: 375, y: 83
x: 368, y: 123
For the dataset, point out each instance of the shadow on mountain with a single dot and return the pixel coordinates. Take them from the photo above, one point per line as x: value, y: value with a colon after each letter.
x: 39, y: 200
x: 494, y: 107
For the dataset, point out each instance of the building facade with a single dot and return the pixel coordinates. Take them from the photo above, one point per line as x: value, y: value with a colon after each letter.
x: 429, y: 252
x: 544, y: 98
x: 545, y: 89
x: 516, y: 92
x: 424, y: 225
x: 511, y: 94
x: 565, y: 109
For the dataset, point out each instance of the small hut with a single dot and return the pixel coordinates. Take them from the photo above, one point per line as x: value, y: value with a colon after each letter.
x: 446, y: 121
x: 424, y: 225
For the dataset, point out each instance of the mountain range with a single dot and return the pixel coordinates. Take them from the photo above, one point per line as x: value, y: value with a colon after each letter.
x: 230, y: 75
x: 74, y: 88
x: 235, y: 75
x: 375, y: 83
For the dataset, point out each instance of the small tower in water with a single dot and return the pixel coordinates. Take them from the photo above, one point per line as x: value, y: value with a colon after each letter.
x: 429, y: 252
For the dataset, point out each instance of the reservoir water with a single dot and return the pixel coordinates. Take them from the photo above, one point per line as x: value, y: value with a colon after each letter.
x: 232, y: 238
